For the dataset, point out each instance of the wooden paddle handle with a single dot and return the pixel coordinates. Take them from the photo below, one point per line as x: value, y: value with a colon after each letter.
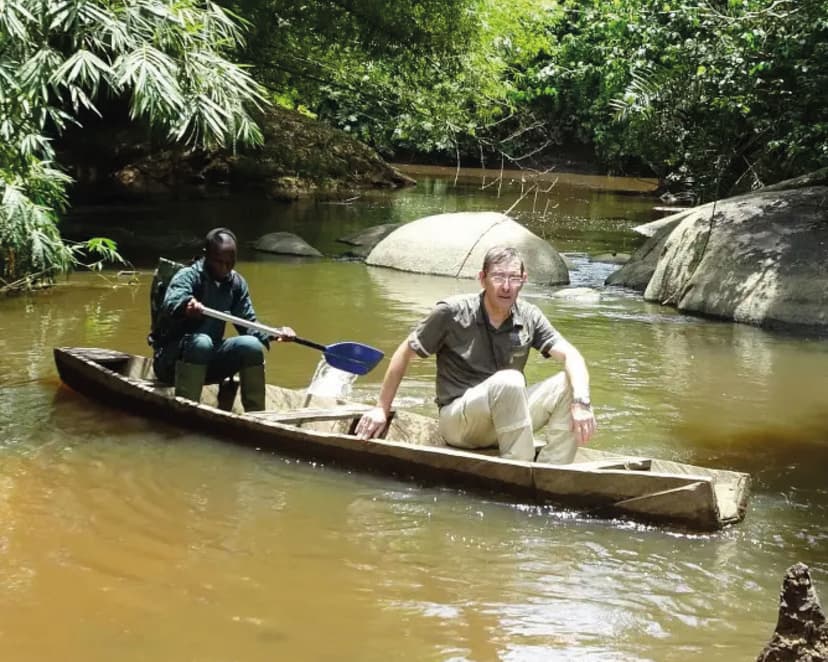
x: 256, y: 326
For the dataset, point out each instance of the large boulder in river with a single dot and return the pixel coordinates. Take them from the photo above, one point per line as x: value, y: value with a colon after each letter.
x: 639, y: 269
x: 285, y: 243
x: 363, y: 242
x: 757, y: 258
x: 455, y: 244
x: 652, y: 228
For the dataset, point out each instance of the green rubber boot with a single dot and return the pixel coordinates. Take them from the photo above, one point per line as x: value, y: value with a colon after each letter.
x: 189, y: 378
x: 227, y: 393
x: 253, y: 387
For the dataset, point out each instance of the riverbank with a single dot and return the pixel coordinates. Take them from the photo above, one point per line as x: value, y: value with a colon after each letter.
x: 300, y: 156
x: 542, y: 179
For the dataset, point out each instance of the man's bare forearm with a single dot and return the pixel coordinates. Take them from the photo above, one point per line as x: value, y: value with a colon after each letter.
x: 397, y: 368
x: 578, y: 374
x: 574, y: 366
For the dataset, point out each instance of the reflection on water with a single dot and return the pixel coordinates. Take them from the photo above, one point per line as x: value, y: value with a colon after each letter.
x: 414, y: 295
x: 138, y: 540
x: 579, y: 213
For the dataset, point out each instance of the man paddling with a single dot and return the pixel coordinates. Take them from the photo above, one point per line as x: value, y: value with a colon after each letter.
x: 190, y: 348
x: 481, y: 342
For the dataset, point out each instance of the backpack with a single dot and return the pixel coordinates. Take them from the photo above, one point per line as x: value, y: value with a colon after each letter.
x: 161, y: 329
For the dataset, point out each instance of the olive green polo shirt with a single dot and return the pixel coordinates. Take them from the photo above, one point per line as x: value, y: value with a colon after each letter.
x: 469, y: 350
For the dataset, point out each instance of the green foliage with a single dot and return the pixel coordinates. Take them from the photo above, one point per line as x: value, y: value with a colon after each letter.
x: 713, y: 97
x: 58, y: 57
x: 424, y: 76
x: 31, y: 243
x: 101, y: 249
x: 717, y: 96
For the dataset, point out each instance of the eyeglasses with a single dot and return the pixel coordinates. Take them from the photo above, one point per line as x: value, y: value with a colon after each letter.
x: 499, y: 278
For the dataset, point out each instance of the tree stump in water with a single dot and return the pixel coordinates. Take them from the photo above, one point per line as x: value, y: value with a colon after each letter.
x: 801, y: 630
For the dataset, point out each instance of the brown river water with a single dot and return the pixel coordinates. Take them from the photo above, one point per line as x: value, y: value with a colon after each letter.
x: 125, y: 539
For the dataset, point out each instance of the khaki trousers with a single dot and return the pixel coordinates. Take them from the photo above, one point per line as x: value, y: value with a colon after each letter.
x: 501, y: 411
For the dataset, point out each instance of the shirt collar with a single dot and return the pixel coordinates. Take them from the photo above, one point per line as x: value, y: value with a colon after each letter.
x: 515, y: 317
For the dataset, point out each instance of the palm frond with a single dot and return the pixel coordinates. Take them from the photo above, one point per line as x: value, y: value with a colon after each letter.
x: 82, y: 68
x: 59, y: 56
x: 153, y: 77
x: 14, y: 17
x: 638, y: 98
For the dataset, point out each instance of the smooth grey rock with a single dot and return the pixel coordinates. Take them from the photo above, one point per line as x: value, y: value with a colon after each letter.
x: 638, y: 270
x: 363, y: 242
x: 653, y: 227
x: 455, y: 244
x: 580, y: 294
x: 285, y: 243
x: 759, y: 258
x: 370, y: 236
x: 816, y: 178
x: 568, y: 260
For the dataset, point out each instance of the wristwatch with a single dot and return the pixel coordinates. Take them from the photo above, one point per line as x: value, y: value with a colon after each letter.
x: 585, y: 402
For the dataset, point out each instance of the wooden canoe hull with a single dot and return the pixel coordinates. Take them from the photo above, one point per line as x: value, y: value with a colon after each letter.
x: 598, y: 484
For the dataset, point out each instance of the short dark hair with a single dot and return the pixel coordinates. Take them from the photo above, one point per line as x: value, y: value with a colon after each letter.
x: 216, y: 237
x: 498, y: 254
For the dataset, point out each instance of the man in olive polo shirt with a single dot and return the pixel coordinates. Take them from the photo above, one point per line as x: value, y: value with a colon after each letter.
x: 481, y: 342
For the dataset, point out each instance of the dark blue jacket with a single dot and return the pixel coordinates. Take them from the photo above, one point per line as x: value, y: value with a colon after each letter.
x: 229, y: 296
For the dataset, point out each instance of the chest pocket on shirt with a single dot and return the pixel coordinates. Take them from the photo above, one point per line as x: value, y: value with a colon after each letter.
x: 520, y: 344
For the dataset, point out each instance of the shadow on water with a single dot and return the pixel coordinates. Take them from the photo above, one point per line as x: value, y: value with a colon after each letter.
x: 776, y: 456
x: 75, y: 413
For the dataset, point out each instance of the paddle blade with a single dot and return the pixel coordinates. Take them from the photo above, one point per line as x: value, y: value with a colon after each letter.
x: 353, y: 357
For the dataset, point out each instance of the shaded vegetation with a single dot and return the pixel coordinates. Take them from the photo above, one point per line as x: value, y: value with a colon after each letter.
x: 119, y: 162
x: 712, y: 97
x: 59, y: 58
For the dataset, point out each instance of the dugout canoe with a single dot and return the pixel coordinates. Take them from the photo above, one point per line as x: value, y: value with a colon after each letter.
x: 597, y: 484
